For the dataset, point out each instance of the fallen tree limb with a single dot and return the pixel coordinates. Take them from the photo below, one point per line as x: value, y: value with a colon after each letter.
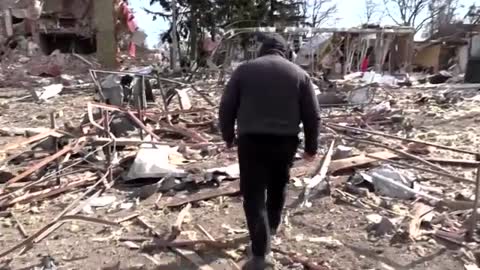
x: 340, y: 127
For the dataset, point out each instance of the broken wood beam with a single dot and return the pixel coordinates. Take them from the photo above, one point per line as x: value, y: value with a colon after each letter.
x: 211, y: 238
x: 49, y: 192
x: 54, y: 224
x: 39, y: 165
x: 191, y: 244
x: 358, y: 161
x: 228, y: 190
x: 6, y: 131
x: 318, y: 175
x: 31, y: 140
x: 345, y: 128
x: 420, y: 210
x: 454, y: 162
x: 20, y: 226
x: 177, y: 226
x: 185, y: 132
x: 205, y: 97
x: 142, y: 126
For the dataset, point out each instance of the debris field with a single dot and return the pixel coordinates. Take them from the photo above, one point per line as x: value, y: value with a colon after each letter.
x: 127, y: 170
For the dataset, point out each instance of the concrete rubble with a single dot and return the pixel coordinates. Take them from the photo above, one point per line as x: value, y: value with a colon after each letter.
x: 129, y: 163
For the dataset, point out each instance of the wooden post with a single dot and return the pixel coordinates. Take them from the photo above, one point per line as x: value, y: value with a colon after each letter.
x: 106, y: 39
x: 378, y: 52
x: 7, y: 15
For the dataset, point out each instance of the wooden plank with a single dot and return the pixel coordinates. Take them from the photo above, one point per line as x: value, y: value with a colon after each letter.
x: 49, y: 192
x: 39, y: 165
x: 194, y: 258
x: 454, y: 162
x: 419, y: 212
x: 228, y: 190
x: 358, y: 161
x: 7, y: 14
x: 30, y: 140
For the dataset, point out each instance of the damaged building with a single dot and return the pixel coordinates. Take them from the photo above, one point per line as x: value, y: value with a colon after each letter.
x: 66, y: 25
x: 340, y: 50
x: 449, y: 48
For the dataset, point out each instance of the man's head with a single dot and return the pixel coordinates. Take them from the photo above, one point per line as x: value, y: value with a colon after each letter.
x: 273, y: 44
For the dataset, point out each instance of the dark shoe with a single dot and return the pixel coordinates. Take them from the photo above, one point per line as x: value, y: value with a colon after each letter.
x: 257, y: 263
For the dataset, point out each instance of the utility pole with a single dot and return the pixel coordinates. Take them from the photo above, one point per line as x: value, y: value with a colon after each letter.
x: 105, y: 20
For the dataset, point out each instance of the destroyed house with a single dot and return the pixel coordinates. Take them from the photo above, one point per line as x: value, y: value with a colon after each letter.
x: 66, y: 25
x: 449, y: 46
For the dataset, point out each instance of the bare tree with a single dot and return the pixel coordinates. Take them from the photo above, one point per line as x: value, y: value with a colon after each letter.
x: 318, y: 11
x: 372, y: 9
x: 409, y: 12
x: 473, y: 15
x: 443, y: 12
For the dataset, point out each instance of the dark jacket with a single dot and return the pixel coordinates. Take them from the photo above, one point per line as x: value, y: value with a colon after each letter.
x: 270, y: 95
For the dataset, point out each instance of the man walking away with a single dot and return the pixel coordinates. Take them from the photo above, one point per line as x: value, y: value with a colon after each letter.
x: 268, y: 97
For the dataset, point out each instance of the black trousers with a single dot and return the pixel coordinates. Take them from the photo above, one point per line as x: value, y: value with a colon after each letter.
x: 265, y: 162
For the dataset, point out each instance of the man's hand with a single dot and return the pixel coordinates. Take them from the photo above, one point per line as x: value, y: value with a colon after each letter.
x: 308, y: 157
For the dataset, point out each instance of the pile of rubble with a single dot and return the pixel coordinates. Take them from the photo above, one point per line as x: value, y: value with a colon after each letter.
x: 396, y: 174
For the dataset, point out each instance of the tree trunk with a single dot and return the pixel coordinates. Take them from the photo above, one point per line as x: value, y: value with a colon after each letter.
x: 272, y: 13
x: 174, y: 61
x: 105, y: 24
x: 194, y: 34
